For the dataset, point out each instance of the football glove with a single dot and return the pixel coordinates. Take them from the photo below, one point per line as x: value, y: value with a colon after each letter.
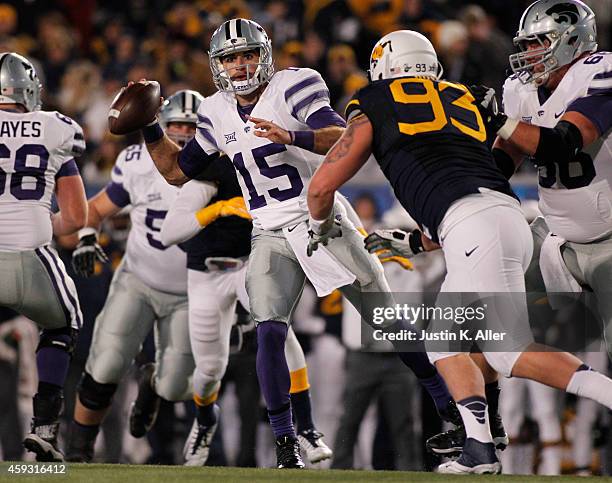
x: 87, y: 252
x: 403, y: 262
x: 321, y: 232
x: 232, y: 207
x: 486, y: 101
x: 394, y: 243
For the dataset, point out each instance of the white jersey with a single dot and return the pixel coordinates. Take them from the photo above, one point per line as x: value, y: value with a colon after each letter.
x: 36, y: 148
x: 273, y: 177
x: 136, y: 181
x: 576, y: 202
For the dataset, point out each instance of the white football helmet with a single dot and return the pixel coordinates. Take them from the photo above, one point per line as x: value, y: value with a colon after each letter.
x: 404, y: 53
x: 564, y: 29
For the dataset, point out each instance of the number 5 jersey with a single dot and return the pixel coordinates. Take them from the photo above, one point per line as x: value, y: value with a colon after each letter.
x: 135, y: 181
x: 575, y: 198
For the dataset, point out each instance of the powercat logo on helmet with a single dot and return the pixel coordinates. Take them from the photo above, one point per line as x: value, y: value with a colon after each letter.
x: 564, y: 13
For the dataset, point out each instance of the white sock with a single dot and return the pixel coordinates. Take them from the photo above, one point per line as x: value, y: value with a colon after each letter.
x: 475, y: 418
x: 588, y: 383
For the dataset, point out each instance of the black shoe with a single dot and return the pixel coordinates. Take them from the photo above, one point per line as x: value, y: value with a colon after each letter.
x: 143, y: 412
x: 450, y: 443
x: 500, y: 438
x: 288, y: 452
x: 43, y: 442
x: 82, y: 440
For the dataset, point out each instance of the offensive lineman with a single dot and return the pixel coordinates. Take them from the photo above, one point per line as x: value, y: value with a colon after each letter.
x: 274, y: 171
x: 444, y: 175
x: 36, y: 161
x: 149, y: 289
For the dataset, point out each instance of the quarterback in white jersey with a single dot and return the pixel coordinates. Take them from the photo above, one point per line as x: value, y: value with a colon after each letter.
x: 149, y: 288
x: 558, y: 107
x: 37, y: 160
x: 274, y: 127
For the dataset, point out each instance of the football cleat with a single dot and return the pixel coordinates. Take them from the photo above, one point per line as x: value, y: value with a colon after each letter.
x: 288, y: 452
x: 143, y: 412
x: 450, y: 443
x: 477, y: 458
x: 198, y: 442
x: 312, y: 442
x: 43, y: 442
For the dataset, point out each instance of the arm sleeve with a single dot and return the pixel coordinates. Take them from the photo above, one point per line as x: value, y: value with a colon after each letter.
x: 351, y: 214
x: 597, y: 108
x: 180, y: 223
x: 325, y: 117
x: 117, y: 189
x: 306, y: 94
x: 194, y: 161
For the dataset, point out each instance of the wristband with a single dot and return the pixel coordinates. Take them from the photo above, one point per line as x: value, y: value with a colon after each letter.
x: 302, y: 139
x: 505, y: 132
x: 415, y: 241
x: 152, y: 132
x: 88, y: 230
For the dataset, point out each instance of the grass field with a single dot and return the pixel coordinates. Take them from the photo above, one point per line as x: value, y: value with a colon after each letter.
x: 169, y: 474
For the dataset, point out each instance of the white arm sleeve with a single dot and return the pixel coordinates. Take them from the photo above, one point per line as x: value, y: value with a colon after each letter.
x: 351, y: 214
x: 180, y: 223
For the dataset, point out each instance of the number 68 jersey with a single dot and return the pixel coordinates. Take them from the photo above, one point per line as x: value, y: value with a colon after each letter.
x: 430, y: 142
x: 36, y: 148
x: 135, y: 181
x: 273, y: 177
x: 575, y: 199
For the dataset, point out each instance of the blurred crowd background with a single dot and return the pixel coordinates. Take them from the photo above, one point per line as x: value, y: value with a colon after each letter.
x: 370, y: 409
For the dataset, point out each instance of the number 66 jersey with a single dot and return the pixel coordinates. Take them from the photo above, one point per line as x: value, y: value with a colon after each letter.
x: 575, y: 198
x: 36, y: 148
x: 430, y: 142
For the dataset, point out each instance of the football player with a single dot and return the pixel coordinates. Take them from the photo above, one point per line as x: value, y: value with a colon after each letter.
x: 558, y: 106
x: 430, y: 141
x: 275, y: 165
x: 212, y: 224
x: 149, y: 289
x: 37, y: 160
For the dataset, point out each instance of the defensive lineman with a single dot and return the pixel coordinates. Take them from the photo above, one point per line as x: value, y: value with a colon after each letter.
x: 444, y: 175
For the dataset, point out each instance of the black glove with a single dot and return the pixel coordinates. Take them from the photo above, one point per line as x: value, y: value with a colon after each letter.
x: 87, y: 252
x: 486, y: 101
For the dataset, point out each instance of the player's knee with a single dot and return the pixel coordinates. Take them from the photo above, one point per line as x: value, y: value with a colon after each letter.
x: 211, y: 369
x: 173, y: 387
x: 63, y: 339
x: 108, y: 364
x: 94, y: 395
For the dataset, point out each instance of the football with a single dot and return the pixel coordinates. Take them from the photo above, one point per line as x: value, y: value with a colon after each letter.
x: 134, y: 107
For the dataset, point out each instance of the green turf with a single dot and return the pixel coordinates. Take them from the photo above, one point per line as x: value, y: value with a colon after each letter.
x: 168, y: 474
